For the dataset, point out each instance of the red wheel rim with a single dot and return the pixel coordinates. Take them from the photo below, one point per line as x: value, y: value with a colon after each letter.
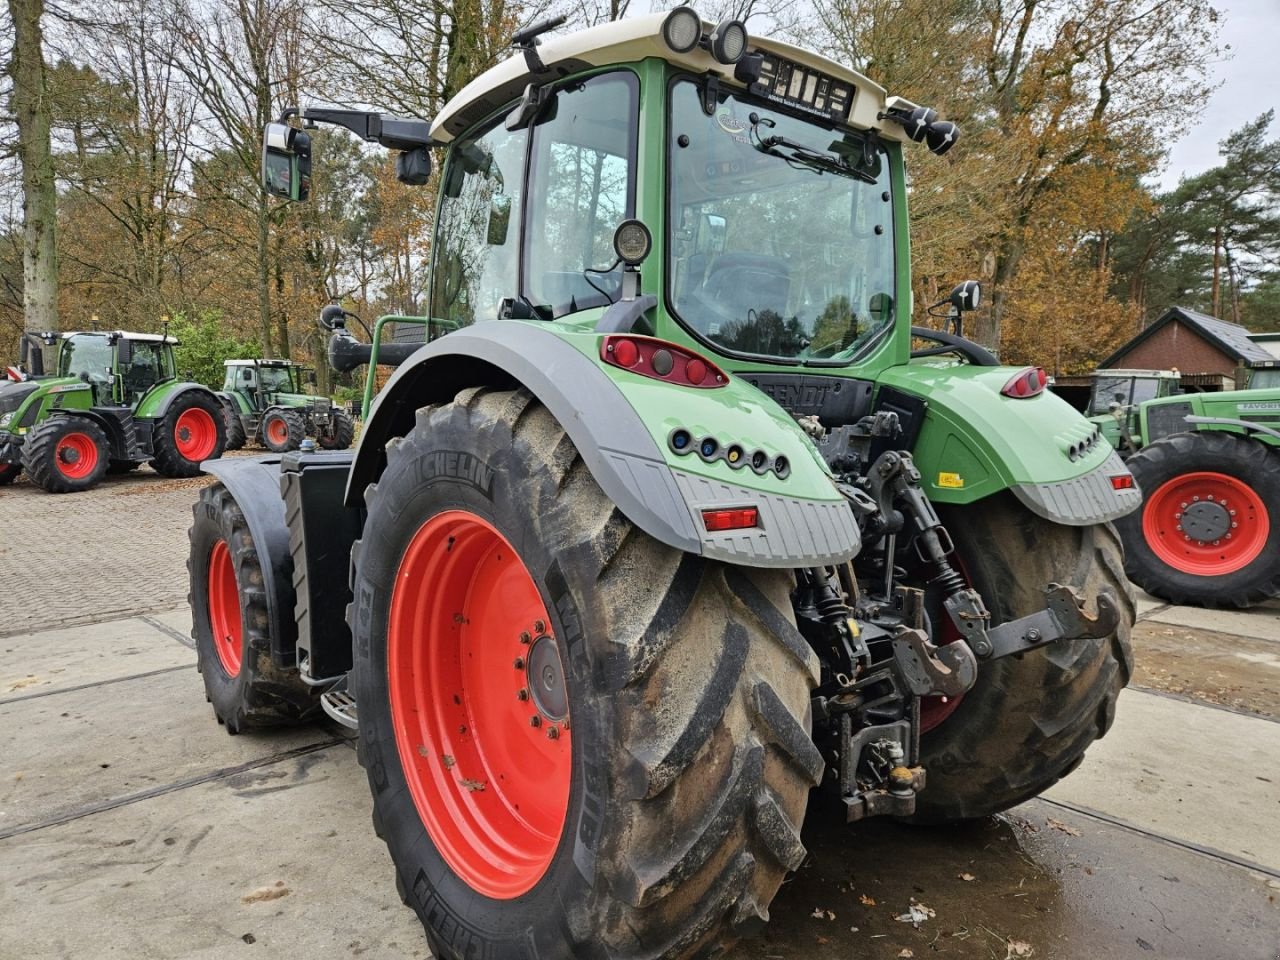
x: 1206, y: 524
x: 76, y: 455
x: 224, y: 609
x: 277, y: 431
x: 195, y: 434
x: 488, y: 776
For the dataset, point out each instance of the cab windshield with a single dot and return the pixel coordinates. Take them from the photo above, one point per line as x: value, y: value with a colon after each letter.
x: 276, y: 379
x: 781, y: 231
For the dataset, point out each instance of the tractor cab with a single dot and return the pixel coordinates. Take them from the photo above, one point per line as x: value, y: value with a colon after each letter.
x: 263, y: 382
x: 1264, y: 375
x: 119, y: 367
x: 1115, y: 397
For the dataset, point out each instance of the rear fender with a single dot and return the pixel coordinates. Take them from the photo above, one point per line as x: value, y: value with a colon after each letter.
x: 155, y: 402
x: 619, y: 424
x: 975, y: 442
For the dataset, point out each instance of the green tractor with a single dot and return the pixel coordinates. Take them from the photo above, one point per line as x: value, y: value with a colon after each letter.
x: 1208, y: 464
x: 1114, y: 401
x: 264, y: 402
x: 678, y: 521
x: 114, y: 403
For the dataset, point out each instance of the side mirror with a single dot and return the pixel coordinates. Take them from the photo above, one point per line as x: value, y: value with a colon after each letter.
x: 286, y: 162
x: 124, y: 351
x: 715, y: 229
x: 246, y: 374
x: 332, y: 317
x: 412, y: 167
x: 966, y: 296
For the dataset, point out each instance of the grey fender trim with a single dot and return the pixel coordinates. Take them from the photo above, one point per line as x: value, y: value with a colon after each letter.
x: 255, y: 484
x: 1084, y: 500
x: 608, y: 433
x: 613, y: 441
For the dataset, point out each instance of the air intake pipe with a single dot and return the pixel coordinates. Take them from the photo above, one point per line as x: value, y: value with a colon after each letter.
x: 346, y: 352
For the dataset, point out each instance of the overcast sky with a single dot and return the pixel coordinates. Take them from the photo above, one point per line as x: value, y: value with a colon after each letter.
x: 1249, y: 85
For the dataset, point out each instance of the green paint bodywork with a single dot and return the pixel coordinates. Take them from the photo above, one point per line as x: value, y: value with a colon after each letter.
x: 1252, y: 406
x: 973, y: 443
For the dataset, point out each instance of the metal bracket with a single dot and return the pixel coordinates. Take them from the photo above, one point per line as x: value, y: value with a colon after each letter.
x: 895, y: 793
x: 1063, y: 618
x: 948, y: 670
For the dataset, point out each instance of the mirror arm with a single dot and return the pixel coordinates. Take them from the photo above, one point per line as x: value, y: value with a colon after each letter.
x: 394, y: 133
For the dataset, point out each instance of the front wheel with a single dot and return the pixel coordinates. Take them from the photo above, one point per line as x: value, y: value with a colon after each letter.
x: 66, y: 454
x: 282, y: 430
x: 1028, y: 719
x: 191, y: 431
x: 343, y: 432
x: 580, y: 742
x: 1208, y: 531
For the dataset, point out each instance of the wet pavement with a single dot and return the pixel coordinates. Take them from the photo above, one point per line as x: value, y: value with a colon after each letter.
x: 132, y: 826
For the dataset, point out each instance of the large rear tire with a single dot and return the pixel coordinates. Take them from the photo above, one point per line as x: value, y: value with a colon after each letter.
x: 1208, y: 531
x: 344, y: 431
x: 666, y: 812
x: 1028, y: 720
x: 230, y: 624
x: 66, y: 454
x: 191, y: 431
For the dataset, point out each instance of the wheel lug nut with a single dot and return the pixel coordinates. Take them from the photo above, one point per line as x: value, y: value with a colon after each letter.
x: 525, y: 638
x: 1234, y: 524
x: 522, y: 694
x: 519, y: 663
x: 535, y: 721
x: 553, y: 733
x: 539, y: 627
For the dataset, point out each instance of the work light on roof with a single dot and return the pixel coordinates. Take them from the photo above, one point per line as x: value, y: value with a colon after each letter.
x: 728, y: 41
x: 682, y: 29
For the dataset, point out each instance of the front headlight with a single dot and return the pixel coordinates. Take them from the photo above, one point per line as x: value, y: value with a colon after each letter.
x: 6, y: 419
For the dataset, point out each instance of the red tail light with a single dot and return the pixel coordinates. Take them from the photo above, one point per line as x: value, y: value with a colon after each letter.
x: 661, y: 360
x: 1028, y: 382
x: 736, y: 519
x: 1123, y: 481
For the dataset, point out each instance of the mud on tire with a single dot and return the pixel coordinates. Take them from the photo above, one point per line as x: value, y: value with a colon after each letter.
x: 258, y: 693
x: 1028, y: 720
x: 688, y: 687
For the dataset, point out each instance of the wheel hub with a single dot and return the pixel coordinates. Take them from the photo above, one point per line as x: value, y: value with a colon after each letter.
x: 69, y: 455
x: 1206, y: 520
x: 546, y: 679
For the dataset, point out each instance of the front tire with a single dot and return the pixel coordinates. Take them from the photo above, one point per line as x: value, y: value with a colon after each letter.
x: 230, y: 624
x: 344, y: 431
x: 667, y: 811
x: 1027, y: 721
x: 1208, y: 531
x: 282, y: 430
x: 66, y: 454
x: 191, y: 431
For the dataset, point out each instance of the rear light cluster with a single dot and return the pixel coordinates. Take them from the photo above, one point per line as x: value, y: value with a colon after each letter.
x: 1122, y: 481
x: 660, y: 360
x: 733, y: 518
x: 710, y: 450
x: 1028, y: 382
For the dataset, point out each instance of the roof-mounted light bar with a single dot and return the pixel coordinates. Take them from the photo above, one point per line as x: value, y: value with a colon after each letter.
x: 682, y: 32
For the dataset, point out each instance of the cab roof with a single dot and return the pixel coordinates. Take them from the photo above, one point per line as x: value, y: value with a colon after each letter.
x: 260, y: 363
x: 634, y: 39
x: 122, y: 335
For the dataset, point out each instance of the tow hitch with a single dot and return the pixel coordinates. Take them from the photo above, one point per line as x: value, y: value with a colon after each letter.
x: 1063, y: 618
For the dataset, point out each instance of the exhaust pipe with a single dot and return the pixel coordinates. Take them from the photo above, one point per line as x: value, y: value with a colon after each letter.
x: 346, y: 352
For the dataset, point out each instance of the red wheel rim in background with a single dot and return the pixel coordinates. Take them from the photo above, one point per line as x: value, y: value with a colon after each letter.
x: 195, y: 434
x: 277, y: 431
x: 1239, y: 546
x: 224, y: 609
x: 76, y: 455
x: 488, y: 777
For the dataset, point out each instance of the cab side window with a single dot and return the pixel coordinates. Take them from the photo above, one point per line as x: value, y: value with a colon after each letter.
x: 478, y: 232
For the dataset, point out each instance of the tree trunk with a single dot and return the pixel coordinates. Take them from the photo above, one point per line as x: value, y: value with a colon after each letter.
x: 264, y: 276
x: 1217, y: 261
x: 35, y: 153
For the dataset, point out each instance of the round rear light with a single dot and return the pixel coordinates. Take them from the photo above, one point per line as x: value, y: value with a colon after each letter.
x: 695, y: 371
x: 626, y: 353
x: 662, y: 362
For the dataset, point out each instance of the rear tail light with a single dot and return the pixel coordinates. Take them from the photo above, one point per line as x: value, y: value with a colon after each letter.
x: 738, y: 518
x: 1123, y: 481
x: 1028, y: 382
x: 661, y: 360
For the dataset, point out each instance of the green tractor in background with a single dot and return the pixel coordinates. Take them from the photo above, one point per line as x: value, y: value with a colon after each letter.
x: 1114, y: 400
x: 264, y: 402
x: 1208, y: 532
x: 114, y: 403
x: 678, y: 521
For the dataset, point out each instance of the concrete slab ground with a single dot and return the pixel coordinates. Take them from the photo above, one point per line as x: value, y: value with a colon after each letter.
x: 192, y: 843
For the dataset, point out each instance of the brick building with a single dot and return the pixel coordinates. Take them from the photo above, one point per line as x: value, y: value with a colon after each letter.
x: 1209, y: 353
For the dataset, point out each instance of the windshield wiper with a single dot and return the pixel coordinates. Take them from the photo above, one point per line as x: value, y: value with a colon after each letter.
x: 800, y: 155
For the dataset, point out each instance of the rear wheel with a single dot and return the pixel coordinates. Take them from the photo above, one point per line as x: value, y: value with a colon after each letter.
x: 235, y: 426
x: 580, y: 742
x: 230, y: 624
x: 191, y: 431
x: 282, y: 430
x: 9, y: 473
x: 66, y: 454
x: 1208, y: 532
x: 344, y: 431
x: 1027, y: 721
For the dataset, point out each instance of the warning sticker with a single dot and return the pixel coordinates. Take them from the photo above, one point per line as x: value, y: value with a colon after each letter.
x: 950, y: 480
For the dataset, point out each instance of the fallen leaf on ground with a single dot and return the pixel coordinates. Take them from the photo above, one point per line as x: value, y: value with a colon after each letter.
x: 1059, y: 825
x: 24, y: 682
x: 266, y: 893
x: 1018, y: 948
x: 906, y: 953
x: 966, y: 877
x: 917, y: 913
x: 868, y: 901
